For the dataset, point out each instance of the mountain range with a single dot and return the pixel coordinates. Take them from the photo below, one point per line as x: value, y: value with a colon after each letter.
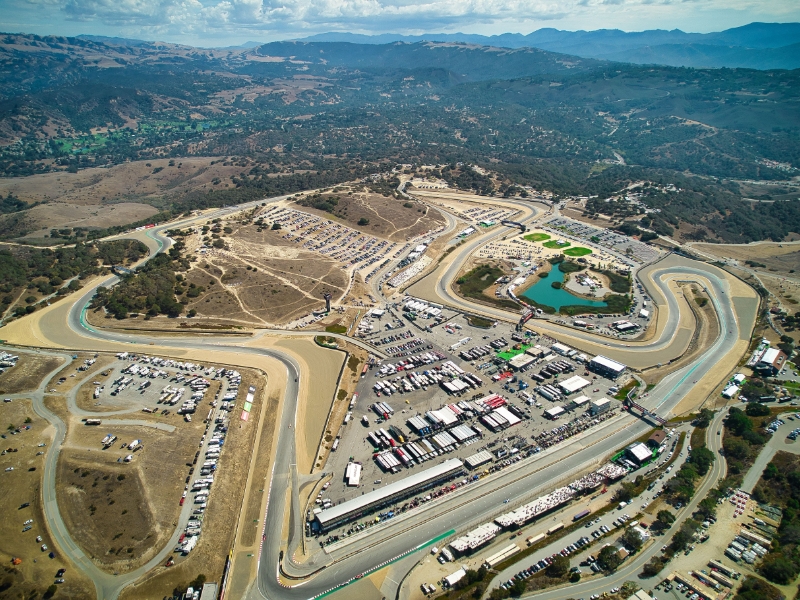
x: 754, y: 46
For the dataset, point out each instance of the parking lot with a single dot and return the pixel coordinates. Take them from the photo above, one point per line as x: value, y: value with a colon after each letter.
x: 634, y: 251
x: 355, y: 250
x: 171, y: 393
x: 428, y: 402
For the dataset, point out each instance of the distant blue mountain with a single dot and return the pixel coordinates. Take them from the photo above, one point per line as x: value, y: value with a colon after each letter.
x: 756, y: 46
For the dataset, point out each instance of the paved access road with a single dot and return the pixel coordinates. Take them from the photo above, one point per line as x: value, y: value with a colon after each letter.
x: 631, y: 568
x: 471, y: 505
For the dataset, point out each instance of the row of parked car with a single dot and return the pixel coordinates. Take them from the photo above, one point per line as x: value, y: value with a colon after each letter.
x: 682, y: 589
x: 545, y: 562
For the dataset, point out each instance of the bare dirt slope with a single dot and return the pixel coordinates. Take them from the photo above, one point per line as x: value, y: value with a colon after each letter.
x: 262, y: 280
x: 23, y: 485
x: 27, y: 374
x: 781, y: 258
x: 125, y: 193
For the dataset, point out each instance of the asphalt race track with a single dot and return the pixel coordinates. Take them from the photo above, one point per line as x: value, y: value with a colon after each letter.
x: 473, y: 504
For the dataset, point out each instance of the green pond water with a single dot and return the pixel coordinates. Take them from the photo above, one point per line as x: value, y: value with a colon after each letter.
x: 543, y: 293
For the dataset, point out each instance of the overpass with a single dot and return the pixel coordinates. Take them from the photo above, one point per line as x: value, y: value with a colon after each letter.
x: 631, y: 405
x: 508, y: 223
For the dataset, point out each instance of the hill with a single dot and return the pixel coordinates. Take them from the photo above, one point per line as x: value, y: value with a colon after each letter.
x: 290, y: 116
x: 739, y: 47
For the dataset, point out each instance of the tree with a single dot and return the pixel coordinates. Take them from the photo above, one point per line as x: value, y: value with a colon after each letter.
x: 609, y: 559
x: 632, y: 539
x: 738, y: 422
x: 559, y: 567
x: 684, y: 535
x: 653, y: 567
x: 363, y: 221
x: 625, y: 492
x: 51, y: 591
x: 735, y: 448
x: 518, y: 588
x: 778, y: 569
x: 702, y: 458
x: 276, y: 227
x: 754, y: 588
x: 756, y: 409
x: 704, y: 418
x: 666, y: 517
x: 772, y: 471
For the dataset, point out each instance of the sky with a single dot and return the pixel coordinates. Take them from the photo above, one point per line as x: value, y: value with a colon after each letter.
x: 213, y: 23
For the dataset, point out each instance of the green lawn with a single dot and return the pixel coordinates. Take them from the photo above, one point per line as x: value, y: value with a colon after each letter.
x: 537, y: 237
x: 554, y: 245
x: 577, y: 251
x: 477, y: 321
x: 478, y: 279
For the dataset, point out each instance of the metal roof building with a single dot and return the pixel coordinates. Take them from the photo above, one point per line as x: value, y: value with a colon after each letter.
x: 352, y: 509
x: 573, y: 384
x: 607, y: 367
x: 521, y: 361
x: 552, y: 413
x: 478, y: 459
x: 639, y: 452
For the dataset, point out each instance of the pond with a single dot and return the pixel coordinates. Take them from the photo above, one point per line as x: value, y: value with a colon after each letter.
x: 542, y: 292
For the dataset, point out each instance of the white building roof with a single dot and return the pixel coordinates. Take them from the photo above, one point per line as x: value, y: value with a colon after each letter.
x: 554, y: 412
x: 580, y: 400
x: 769, y: 356
x: 447, y: 416
x: 478, y: 459
x: 475, y: 538
x: 454, y: 578
x: 507, y: 415
x: 640, y: 451
x: 730, y: 391
x: 560, y: 348
x: 420, y: 477
x: 607, y: 363
x: 573, y: 384
x: 521, y: 360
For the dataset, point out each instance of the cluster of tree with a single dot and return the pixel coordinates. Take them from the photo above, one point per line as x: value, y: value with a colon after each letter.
x: 326, y: 202
x: 473, y: 284
x: 495, y: 110
x: 467, y: 178
x: 681, y: 487
x: 11, y: 204
x: 742, y: 442
x: 754, y: 388
x: 57, y: 271
x: 753, y: 588
x: 25, y: 265
x: 152, y: 289
x: 780, y: 485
